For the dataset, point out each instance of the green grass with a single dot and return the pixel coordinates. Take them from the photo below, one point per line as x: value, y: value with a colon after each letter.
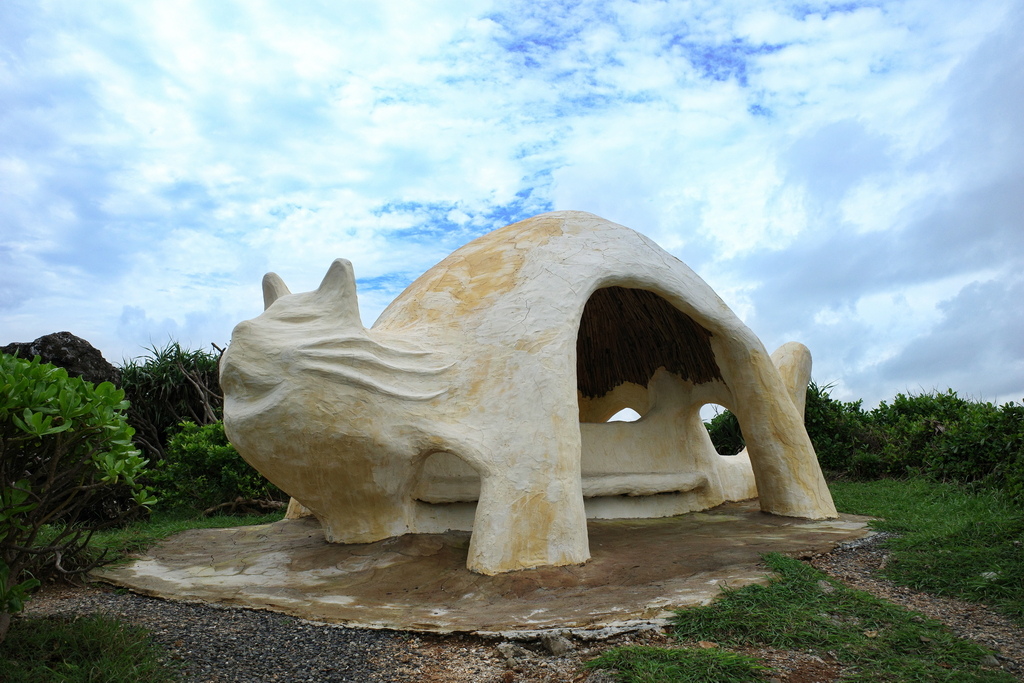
x: 137, y: 536
x: 804, y: 610
x: 99, y: 649
x: 141, y: 534
x: 91, y: 649
x: 951, y: 542
x: 637, y: 664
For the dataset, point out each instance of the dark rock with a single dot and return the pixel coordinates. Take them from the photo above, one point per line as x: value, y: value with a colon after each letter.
x: 74, y: 354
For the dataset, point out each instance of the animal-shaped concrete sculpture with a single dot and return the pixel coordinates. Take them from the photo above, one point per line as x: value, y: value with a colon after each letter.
x: 478, y: 399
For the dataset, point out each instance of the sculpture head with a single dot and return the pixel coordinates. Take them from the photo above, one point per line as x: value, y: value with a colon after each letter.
x: 343, y: 402
x: 288, y: 321
x: 320, y: 334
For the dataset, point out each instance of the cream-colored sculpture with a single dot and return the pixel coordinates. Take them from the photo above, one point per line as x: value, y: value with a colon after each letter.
x: 489, y: 380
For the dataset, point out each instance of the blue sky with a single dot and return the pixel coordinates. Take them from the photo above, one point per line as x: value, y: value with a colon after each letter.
x: 848, y: 175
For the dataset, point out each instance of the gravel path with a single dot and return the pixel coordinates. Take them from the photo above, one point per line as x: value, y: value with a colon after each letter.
x: 857, y: 564
x: 225, y: 644
x: 231, y: 644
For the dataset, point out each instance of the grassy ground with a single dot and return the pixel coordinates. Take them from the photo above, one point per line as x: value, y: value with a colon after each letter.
x: 139, y: 535
x: 99, y: 649
x: 119, y: 544
x: 804, y: 610
x: 638, y: 664
x: 89, y: 649
x: 951, y: 542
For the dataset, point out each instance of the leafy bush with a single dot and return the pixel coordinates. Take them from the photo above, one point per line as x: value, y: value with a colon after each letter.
x: 953, y: 439
x: 63, y: 444
x: 171, y: 386
x: 939, y: 435
x: 842, y: 434
x: 949, y: 438
x: 1009, y: 474
x: 914, y: 426
x: 203, y: 469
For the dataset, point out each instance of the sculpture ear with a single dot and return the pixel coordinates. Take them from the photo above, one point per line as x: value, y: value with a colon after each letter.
x: 273, y: 289
x: 339, y: 290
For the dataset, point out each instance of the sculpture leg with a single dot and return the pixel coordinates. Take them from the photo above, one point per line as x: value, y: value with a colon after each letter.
x: 528, y: 519
x: 361, y: 500
x: 789, y: 480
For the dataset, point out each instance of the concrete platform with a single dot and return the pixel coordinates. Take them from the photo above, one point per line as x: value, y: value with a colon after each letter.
x: 640, y: 570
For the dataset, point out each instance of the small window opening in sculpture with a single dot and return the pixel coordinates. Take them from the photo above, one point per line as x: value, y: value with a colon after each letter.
x: 709, y: 411
x: 728, y: 437
x: 624, y: 415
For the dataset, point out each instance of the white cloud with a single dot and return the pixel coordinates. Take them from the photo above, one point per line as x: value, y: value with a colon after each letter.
x: 844, y: 174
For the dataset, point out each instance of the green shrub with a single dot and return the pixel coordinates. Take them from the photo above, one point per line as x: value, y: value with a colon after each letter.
x: 939, y: 435
x: 986, y: 444
x: 841, y: 433
x: 1009, y: 474
x: 915, y: 425
x: 166, y: 388
x: 63, y: 444
x: 949, y: 438
x: 203, y: 469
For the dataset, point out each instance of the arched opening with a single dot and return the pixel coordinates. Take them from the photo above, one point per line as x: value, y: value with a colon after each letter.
x: 635, y: 351
x: 625, y: 397
x: 635, y: 354
x: 446, y: 492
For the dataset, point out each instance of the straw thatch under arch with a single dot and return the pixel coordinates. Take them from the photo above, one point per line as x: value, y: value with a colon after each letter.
x: 626, y: 334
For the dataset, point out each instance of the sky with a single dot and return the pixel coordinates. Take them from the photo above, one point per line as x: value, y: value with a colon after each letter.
x: 848, y: 175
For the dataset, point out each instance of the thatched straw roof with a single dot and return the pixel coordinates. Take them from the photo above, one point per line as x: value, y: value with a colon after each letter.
x: 626, y: 334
